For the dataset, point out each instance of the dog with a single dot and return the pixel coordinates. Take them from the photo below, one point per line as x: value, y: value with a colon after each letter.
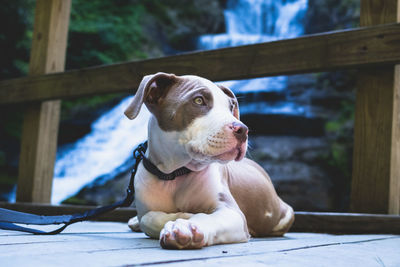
x: 222, y: 197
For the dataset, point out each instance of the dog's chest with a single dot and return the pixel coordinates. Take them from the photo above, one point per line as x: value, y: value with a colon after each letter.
x: 193, y: 193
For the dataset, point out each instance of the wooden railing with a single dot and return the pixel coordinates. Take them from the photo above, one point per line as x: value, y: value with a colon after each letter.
x: 373, y: 49
x: 376, y: 46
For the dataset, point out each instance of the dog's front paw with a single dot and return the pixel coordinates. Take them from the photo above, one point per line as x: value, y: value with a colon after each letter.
x: 133, y: 223
x: 181, y: 234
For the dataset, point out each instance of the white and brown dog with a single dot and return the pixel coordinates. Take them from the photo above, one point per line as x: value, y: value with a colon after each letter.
x: 226, y: 197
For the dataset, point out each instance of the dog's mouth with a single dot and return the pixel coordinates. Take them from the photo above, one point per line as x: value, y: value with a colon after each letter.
x: 240, y: 154
x: 236, y: 153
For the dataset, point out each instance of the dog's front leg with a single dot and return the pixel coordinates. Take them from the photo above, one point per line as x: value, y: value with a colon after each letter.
x: 153, y: 221
x: 226, y: 224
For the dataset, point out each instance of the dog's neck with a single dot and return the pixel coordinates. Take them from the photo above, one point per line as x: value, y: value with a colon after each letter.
x: 164, y: 151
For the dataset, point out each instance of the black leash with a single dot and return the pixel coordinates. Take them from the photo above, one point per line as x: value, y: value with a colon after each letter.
x: 9, y: 218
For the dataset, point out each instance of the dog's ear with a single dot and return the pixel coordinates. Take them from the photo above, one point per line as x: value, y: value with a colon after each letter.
x: 151, y: 89
x: 231, y: 95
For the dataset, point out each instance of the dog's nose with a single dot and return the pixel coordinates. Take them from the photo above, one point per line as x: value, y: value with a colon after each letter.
x: 239, y: 131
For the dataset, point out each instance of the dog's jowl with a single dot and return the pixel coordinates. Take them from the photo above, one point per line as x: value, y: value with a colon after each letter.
x: 223, y: 197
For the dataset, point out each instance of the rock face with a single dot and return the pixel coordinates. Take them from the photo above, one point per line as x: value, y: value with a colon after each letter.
x: 173, y: 26
x: 331, y: 15
x: 294, y: 165
x: 102, y: 193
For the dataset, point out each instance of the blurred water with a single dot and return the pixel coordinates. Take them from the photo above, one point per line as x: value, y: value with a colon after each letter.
x: 113, y: 136
x: 105, y: 148
x: 255, y: 21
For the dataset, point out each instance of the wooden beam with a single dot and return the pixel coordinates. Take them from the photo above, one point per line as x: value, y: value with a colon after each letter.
x: 346, y: 223
x: 374, y: 46
x: 376, y: 158
x: 318, y: 222
x: 40, y: 126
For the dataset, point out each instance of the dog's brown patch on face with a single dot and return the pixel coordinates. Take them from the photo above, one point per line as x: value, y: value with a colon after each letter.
x: 179, y: 108
x: 233, y: 103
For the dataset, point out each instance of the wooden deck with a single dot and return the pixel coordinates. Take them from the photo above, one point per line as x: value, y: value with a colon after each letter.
x: 113, y: 244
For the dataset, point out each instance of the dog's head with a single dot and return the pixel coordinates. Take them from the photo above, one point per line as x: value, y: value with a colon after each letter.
x: 204, y: 116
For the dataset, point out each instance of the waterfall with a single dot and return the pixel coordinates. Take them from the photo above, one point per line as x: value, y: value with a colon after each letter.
x: 113, y: 137
x: 255, y: 21
x: 106, y: 148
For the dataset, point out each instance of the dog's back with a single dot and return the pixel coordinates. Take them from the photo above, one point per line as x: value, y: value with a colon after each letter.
x: 250, y: 185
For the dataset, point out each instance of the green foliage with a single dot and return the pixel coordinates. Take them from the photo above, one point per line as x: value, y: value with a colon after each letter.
x: 86, y: 104
x: 2, y: 158
x: 100, y: 32
x: 76, y: 201
x: 13, y: 122
x: 6, y: 180
x: 16, y: 21
x: 340, y: 158
x: 340, y: 130
x: 7, y: 177
x: 104, y: 32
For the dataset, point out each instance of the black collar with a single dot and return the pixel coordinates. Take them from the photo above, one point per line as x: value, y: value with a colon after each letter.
x: 150, y: 167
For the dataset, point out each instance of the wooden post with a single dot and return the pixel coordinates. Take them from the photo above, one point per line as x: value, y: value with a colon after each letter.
x: 40, y: 126
x: 376, y: 158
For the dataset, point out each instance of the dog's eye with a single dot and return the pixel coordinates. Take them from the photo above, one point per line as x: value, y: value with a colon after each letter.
x: 199, y: 101
x: 232, y: 105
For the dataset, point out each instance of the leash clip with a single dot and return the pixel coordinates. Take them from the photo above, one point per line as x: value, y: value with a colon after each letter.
x: 139, y: 151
